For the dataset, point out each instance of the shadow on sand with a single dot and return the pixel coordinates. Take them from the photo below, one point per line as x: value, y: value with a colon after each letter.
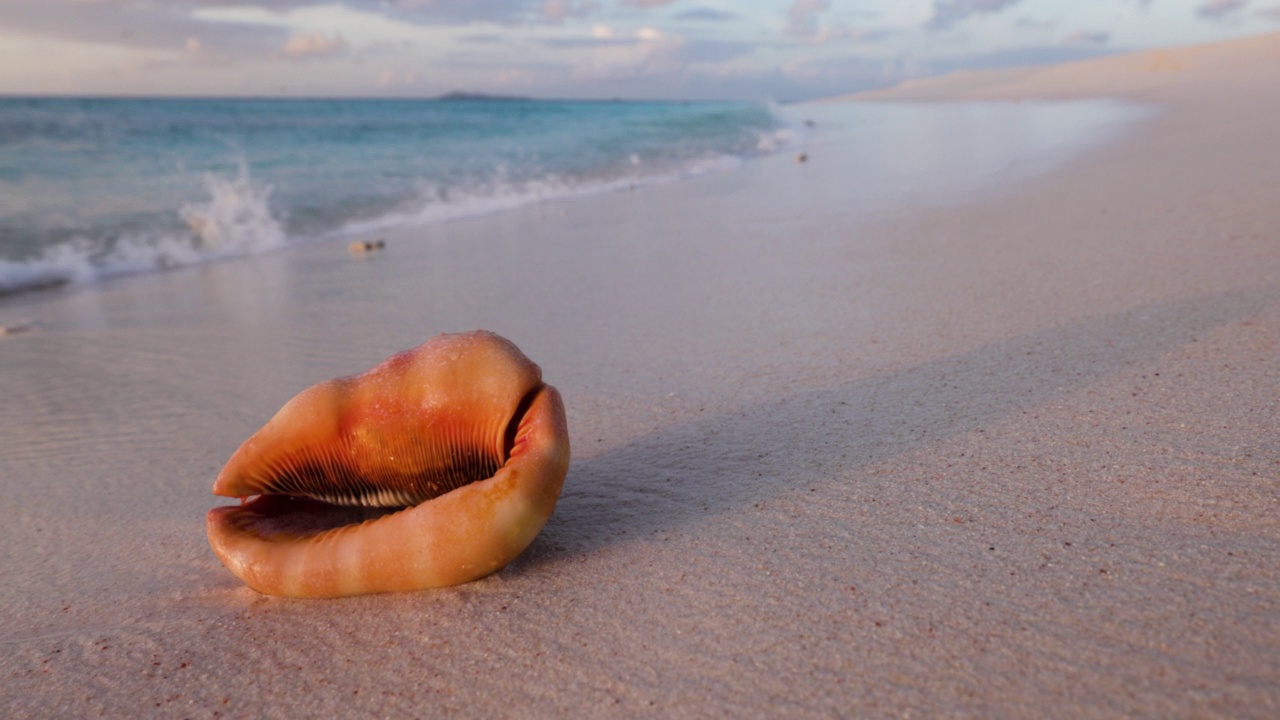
x: 682, y: 475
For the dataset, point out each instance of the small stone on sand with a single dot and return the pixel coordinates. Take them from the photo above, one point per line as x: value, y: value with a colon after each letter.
x: 360, y: 247
x: 14, y: 328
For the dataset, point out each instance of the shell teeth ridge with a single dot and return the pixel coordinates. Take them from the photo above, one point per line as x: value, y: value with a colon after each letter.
x: 434, y: 463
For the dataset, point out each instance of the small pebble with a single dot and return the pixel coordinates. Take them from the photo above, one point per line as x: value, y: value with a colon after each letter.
x: 360, y: 247
x: 14, y: 328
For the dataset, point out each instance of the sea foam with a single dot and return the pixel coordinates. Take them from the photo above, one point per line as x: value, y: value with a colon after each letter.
x: 235, y: 220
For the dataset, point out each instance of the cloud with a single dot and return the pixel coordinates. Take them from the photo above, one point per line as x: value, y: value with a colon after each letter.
x: 707, y: 14
x: 646, y: 3
x: 646, y: 43
x: 946, y: 13
x: 457, y: 12
x: 138, y: 24
x: 558, y: 10
x: 1031, y: 23
x: 825, y: 75
x: 646, y: 52
x: 314, y: 44
x: 1272, y: 13
x: 601, y: 35
x: 261, y: 27
x: 1214, y: 9
x: 839, y: 32
x: 802, y: 17
x: 482, y: 38
x: 393, y: 78
x: 803, y: 22
x: 713, y: 51
x: 581, y: 42
x: 857, y: 35
x: 1087, y: 38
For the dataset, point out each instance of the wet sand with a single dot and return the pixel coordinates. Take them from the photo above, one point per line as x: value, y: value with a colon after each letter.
x: 1011, y: 455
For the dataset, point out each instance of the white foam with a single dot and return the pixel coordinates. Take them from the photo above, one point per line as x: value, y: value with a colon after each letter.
x: 434, y: 203
x: 236, y: 220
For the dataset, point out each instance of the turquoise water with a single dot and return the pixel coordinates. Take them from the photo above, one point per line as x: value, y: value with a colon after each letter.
x: 91, y: 188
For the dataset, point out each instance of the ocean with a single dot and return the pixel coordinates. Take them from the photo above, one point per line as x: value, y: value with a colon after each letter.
x: 93, y: 187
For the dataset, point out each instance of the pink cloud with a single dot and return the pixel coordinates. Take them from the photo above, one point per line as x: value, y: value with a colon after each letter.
x: 314, y: 44
x: 1220, y: 8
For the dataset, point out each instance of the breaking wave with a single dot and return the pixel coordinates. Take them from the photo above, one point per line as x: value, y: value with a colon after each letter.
x: 234, y: 220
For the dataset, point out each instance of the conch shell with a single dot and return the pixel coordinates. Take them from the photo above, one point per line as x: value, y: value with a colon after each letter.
x: 436, y: 467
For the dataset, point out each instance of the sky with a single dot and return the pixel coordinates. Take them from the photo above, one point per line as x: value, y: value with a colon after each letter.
x: 683, y: 49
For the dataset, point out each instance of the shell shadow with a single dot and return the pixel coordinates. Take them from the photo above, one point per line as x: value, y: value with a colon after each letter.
x: 683, y: 475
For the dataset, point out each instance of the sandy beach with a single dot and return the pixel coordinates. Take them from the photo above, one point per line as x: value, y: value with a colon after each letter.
x: 1012, y: 452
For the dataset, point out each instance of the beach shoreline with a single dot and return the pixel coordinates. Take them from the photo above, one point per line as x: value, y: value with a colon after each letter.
x: 1008, y: 454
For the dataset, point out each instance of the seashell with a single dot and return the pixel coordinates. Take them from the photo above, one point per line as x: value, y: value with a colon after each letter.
x: 436, y: 467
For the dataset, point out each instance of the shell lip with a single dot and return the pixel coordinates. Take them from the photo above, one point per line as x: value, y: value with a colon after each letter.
x: 283, y: 515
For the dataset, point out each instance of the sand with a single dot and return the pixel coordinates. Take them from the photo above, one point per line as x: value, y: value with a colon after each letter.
x: 1006, y: 455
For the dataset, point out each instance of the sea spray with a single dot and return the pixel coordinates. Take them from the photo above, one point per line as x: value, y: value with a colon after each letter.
x: 237, y: 218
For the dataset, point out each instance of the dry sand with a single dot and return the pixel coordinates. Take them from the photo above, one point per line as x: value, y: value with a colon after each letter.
x: 1012, y: 457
